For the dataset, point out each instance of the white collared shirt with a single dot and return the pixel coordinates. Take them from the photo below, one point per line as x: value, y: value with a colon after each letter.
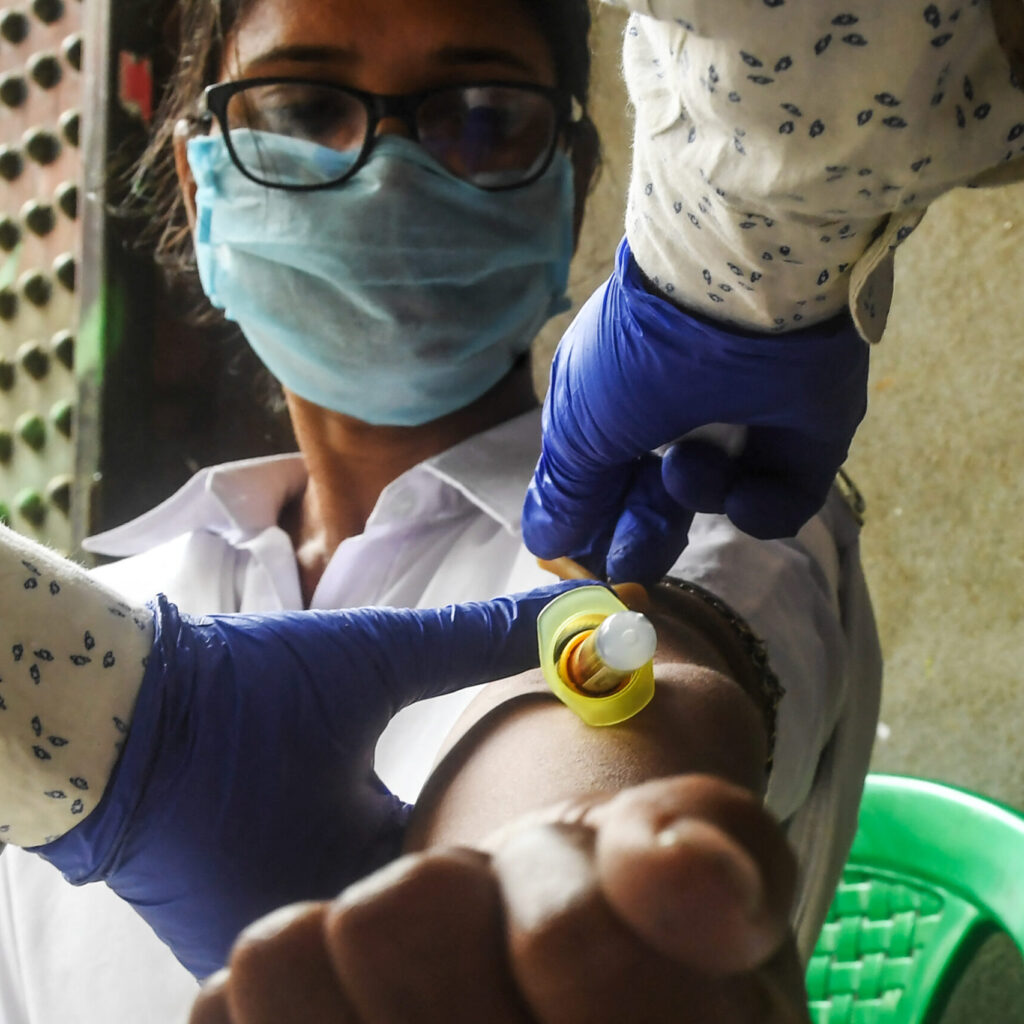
x: 447, y: 530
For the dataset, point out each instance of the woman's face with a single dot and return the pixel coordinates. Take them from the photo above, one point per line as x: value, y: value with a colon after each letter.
x: 509, y: 256
x: 399, y: 46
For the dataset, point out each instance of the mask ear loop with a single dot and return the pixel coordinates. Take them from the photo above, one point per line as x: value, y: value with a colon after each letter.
x: 189, y: 125
x: 199, y: 122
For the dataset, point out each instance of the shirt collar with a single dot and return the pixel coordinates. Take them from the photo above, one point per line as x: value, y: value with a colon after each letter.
x: 238, y: 500
x: 493, y: 469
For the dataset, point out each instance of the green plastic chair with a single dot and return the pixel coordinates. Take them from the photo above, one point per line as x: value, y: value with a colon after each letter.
x: 934, y: 870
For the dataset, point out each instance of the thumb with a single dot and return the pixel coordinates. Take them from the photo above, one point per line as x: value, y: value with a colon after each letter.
x: 699, y: 869
x: 421, y: 653
x: 567, y: 512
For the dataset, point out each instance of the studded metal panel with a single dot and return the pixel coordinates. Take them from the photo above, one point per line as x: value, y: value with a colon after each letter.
x: 109, y: 396
x: 40, y: 95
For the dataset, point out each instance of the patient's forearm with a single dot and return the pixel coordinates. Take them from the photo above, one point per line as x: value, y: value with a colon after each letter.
x: 518, y: 749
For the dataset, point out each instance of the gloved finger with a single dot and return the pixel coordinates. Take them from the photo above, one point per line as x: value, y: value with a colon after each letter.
x: 246, y: 779
x: 768, y: 507
x: 390, y: 657
x: 437, y: 651
x: 567, y: 514
x: 651, y: 531
x: 422, y: 941
x: 783, y: 478
x: 698, y: 475
x: 699, y: 870
x: 280, y: 971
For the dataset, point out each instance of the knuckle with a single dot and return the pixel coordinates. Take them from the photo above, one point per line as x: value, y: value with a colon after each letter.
x: 211, y: 1006
x: 270, y: 947
x: 280, y: 927
x: 405, y: 903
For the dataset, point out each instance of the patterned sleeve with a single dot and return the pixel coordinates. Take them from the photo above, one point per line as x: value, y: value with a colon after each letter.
x: 701, y: 17
x: 72, y: 657
x: 785, y: 148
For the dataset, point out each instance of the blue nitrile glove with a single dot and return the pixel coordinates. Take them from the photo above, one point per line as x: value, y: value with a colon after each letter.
x: 634, y: 373
x: 246, y: 780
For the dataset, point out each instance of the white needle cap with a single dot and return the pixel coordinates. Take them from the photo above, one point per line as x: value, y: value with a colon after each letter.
x: 625, y: 641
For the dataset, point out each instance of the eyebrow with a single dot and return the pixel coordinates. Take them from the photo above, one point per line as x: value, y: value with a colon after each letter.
x: 307, y: 54
x: 452, y: 56
x: 457, y: 55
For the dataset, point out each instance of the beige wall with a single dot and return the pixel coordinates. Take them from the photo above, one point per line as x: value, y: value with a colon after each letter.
x: 941, y: 457
x: 940, y: 460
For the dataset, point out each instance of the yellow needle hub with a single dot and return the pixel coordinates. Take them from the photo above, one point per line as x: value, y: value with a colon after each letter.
x: 596, y: 655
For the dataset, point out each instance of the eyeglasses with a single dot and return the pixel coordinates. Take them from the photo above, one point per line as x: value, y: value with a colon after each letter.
x: 494, y: 135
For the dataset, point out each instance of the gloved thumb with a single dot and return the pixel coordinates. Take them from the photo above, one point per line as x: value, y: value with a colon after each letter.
x: 568, y: 511
x: 386, y: 658
x: 651, y: 530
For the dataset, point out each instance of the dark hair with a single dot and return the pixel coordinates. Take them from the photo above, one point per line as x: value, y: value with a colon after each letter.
x: 195, y: 31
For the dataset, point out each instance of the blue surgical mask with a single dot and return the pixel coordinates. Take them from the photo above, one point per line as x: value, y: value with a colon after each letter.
x: 401, y: 295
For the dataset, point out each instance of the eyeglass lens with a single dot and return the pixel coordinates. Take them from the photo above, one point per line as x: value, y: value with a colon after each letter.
x: 490, y: 136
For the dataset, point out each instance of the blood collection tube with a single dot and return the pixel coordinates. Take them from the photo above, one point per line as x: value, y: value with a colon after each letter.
x: 599, y: 661
x: 597, y: 655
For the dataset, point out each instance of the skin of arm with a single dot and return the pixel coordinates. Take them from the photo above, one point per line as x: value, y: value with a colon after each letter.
x: 518, y: 756
x: 517, y: 750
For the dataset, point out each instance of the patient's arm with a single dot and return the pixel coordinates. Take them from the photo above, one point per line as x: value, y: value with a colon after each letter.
x: 518, y: 749
x: 590, y: 895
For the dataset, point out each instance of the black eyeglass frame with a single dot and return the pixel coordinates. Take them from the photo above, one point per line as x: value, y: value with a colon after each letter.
x: 379, y: 106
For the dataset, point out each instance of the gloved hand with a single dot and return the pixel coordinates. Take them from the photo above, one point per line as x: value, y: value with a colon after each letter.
x: 634, y: 373
x: 246, y: 781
